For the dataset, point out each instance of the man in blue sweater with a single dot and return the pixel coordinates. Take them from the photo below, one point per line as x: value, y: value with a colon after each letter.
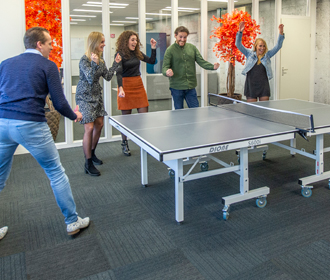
x: 25, y: 81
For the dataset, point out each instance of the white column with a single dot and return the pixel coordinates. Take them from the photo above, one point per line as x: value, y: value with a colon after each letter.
x: 204, y: 39
x: 107, y: 59
x: 66, y: 40
x: 255, y: 10
x: 174, y: 18
x: 277, y: 74
x: 230, y: 6
x: 312, y: 13
x: 142, y: 36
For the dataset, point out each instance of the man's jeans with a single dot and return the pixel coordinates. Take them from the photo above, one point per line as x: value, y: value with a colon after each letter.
x: 37, y: 139
x: 189, y: 95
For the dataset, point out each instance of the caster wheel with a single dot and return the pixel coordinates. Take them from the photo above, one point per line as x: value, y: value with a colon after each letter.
x: 264, y: 155
x: 204, y: 166
x: 261, y: 202
x: 306, y: 192
x: 171, y: 173
x: 225, y: 215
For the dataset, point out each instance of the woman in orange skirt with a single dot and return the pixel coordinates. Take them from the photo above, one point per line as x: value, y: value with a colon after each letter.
x: 131, y: 92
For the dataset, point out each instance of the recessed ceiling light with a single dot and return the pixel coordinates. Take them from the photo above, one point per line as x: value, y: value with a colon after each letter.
x: 92, y: 11
x: 77, y: 19
x: 73, y: 22
x: 182, y: 8
x: 117, y: 24
x: 137, y: 18
x: 123, y: 21
x: 81, y: 16
x: 217, y: 0
x: 89, y: 11
x: 185, y: 11
x: 158, y: 14
x: 113, y: 4
x: 100, y: 6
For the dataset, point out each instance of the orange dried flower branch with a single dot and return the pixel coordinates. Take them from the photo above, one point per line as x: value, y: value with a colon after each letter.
x: 226, y: 49
x: 47, y: 14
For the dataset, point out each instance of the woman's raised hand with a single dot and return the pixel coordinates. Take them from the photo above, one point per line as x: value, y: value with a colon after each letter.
x: 118, y: 58
x: 153, y: 43
x: 280, y: 28
x: 241, y: 26
x: 95, y: 58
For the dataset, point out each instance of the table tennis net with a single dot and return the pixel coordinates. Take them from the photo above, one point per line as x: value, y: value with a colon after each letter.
x: 297, y: 120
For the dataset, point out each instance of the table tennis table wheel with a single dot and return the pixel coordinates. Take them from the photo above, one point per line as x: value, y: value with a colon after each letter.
x: 261, y: 202
x: 225, y: 215
x: 204, y: 166
x: 171, y: 173
x: 306, y: 192
x: 264, y: 155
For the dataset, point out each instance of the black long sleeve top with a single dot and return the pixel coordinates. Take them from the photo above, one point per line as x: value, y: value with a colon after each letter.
x: 131, y: 67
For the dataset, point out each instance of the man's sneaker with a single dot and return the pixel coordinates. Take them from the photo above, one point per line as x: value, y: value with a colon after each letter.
x: 3, y: 232
x: 75, y: 227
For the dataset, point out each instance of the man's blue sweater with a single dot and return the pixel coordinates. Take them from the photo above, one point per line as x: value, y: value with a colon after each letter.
x: 25, y: 81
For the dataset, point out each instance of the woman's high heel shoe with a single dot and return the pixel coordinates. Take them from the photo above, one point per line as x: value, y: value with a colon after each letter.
x: 125, y: 148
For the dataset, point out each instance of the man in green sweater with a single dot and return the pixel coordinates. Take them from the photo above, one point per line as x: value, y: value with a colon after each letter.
x: 179, y: 66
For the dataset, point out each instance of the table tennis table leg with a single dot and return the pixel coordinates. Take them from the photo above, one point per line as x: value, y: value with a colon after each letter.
x: 244, y: 171
x: 179, y: 202
x: 319, y: 154
x: 293, y: 144
x: 144, y: 168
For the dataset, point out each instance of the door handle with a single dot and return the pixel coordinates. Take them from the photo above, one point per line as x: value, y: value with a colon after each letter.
x: 284, y: 71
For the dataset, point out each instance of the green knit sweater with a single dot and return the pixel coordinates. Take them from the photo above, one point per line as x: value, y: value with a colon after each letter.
x: 182, y: 61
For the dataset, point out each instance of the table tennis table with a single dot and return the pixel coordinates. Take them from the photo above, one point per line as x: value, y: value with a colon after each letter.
x: 321, y: 120
x: 193, y: 136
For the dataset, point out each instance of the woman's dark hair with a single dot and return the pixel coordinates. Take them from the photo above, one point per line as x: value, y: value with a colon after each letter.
x: 122, y: 45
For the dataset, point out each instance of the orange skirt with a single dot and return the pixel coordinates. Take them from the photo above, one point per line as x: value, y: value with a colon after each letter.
x: 135, y: 94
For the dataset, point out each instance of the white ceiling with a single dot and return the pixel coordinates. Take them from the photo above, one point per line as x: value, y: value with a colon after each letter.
x: 152, y: 6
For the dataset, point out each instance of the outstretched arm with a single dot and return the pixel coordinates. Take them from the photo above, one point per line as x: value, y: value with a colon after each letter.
x: 279, y: 43
x: 238, y: 41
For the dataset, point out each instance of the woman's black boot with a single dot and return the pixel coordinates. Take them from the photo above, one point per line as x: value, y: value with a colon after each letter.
x: 96, y: 160
x: 90, y: 168
x: 125, y: 148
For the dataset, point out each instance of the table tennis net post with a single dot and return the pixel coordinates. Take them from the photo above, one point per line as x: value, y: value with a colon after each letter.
x: 297, y: 120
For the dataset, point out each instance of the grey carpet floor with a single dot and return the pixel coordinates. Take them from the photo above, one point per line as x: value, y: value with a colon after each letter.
x: 133, y: 233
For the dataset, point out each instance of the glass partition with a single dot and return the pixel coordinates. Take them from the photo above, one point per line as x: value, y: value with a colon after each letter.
x: 158, y: 27
x: 267, y: 28
x: 84, y: 19
x: 245, y: 6
x: 216, y: 79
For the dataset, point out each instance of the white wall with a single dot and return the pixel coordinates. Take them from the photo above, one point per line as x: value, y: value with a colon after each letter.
x: 12, y: 28
x: 322, y: 53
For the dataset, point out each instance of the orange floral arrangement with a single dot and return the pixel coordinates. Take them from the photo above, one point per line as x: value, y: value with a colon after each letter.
x: 226, y: 49
x: 47, y: 14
